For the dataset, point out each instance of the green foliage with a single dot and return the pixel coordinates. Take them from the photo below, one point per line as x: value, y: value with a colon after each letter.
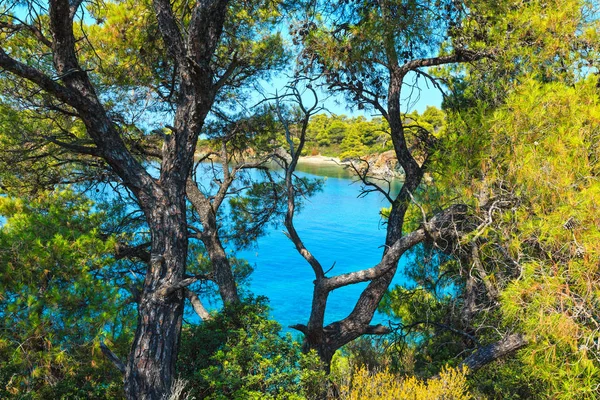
x: 125, y: 46
x: 24, y: 162
x: 358, y: 137
x: 553, y: 41
x: 521, y: 134
x: 548, y: 144
x: 536, y: 156
x: 239, y: 354
x: 56, y: 303
x: 508, y: 379
x: 423, y: 344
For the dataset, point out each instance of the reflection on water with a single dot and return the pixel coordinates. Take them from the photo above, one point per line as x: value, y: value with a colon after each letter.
x: 325, y: 169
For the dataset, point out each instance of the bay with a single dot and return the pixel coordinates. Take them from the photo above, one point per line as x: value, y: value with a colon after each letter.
x: 341, y: 228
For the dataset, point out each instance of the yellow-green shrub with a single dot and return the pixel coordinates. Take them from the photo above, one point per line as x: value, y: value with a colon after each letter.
x: 364, y: 385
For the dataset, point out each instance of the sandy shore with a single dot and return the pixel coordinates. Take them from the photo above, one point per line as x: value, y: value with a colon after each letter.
x: 319, y: 160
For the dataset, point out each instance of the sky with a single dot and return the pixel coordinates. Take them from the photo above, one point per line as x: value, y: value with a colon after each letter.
x: 413, y: 99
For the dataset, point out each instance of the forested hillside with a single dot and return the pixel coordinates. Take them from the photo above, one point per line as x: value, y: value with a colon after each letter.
x: 348, y: 138
x: 145, y: 143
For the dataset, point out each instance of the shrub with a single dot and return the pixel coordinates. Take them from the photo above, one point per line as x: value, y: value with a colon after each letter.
x: 364, y: 385
x: 239, y: 354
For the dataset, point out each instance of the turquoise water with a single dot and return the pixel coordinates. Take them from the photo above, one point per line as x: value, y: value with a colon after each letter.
x: 337, y: 226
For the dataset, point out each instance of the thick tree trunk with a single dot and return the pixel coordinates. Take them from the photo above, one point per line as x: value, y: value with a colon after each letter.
x: 151, y: 367
x: 151, y: 364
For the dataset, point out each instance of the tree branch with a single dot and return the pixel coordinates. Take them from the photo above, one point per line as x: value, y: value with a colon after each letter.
x: 112, y: 357
x: 46, y: 83
x: 92, y: 151
x: 79, y: 93
x: 377, y: 330
x: 197, y: 304
x: 205, y: 28
x: 140, y: 251
x: 397, y: 249
x: 487, y: 354
x: 74, y: 6
x: 169, y: 30
x: 32, y: 29
x: 460, y: 55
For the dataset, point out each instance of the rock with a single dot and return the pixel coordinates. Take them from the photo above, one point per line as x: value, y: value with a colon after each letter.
x: 384, y: 165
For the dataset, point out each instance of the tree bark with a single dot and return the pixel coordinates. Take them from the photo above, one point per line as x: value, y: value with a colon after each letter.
x: 487, y: 354
x: 151, y: 364
x: 222, y: 272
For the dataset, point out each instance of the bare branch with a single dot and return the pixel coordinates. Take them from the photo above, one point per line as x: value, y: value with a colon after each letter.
x: 197, y: 304
x: 108, y: 353
x: 363, y: 176
x: 460, y: 55
x: 386, y: 263
x: 231, y: 68
x: 443, y: 226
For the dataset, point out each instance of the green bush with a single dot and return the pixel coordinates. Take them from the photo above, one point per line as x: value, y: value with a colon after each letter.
x: 239, y: 354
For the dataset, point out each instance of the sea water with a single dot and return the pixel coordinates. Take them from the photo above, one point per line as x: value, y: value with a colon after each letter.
x: 339, y: 225
x: 341, y: 228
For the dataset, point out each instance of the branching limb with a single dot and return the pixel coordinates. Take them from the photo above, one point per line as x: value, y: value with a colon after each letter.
x: 92, y: 151
x: 377, y: 330
x: 363, y: 176
x: 46, y: 83
x: 169, y: 29
x: 31, y: 28
x: 386, y: 263
x: 139, y: 251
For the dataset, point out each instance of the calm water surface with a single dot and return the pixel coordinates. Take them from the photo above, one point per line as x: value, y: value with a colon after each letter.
x: 337, y: 227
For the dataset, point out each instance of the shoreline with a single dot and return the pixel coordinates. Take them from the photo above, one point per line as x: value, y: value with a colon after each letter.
x: 380, y: 165
x: 320, y: 160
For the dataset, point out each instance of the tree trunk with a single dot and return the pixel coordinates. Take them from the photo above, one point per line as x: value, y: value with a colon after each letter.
x: 151, y: 367
x: 221, y: 268
x: 223, y: 274
x: 151, y: 364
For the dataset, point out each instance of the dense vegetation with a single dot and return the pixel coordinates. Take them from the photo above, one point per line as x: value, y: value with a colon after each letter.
x: 115, y: 224
x: 348, y: 138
